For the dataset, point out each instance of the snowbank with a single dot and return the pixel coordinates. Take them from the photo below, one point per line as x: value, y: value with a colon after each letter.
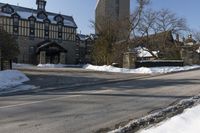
x: 51, y: 65
x: 10, y: 78
x: 142, y: 70
x: 188, y: 122
x: 56, y: 65
x: 21, y: 65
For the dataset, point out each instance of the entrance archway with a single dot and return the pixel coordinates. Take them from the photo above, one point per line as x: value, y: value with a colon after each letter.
x: 51, y: 53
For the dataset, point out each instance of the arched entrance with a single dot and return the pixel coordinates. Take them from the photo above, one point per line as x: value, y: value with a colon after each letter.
x: 51, y: 53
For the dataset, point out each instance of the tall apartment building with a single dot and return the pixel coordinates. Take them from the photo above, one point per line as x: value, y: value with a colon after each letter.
x: 113, y: 10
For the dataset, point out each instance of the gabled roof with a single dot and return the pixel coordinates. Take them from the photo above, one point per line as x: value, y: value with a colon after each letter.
x: 25, y: 13
x: 155, y: 40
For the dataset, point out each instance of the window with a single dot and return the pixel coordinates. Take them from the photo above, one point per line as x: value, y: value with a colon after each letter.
x: 42, y: 15
x: 16, y: 20
x: 32, y: 20
x: 32, y: 26
x: 15, y: 17
x: 58, y: 18
x: 46, y: 28
x: 7, y: 9
x: 60, y: 30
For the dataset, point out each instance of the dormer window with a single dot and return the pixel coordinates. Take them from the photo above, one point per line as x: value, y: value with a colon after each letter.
x: 46, y: 23
x: 7, y: 9
x: 32, y: 20
x: 15, y: 17
x: 59, y: 18
x: 46, y: 28
x: 42, y: 15
x: 60, y: 25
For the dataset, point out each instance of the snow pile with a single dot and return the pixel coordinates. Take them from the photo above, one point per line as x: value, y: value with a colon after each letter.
x: 170, y: 113
x: 142, y: 70
x: 56, y: 65
x: 51, y: 65
x: 15, y: 65
x: 10, y: 78
x: 188, y: 122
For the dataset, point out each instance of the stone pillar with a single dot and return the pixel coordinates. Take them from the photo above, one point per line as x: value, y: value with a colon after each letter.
x: 62, y: 58
x: 42, y: 57
x: 129, y: 59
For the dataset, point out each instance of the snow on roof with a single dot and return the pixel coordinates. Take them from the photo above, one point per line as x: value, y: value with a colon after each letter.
x: 198, y: 50
x: 144, y: 52
x: 25, y: 13
x: 83, y: 37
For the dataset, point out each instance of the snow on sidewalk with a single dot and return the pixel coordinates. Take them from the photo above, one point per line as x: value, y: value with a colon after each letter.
x: 188, y: 122
x: 142, y: 70
x: 11, y: 78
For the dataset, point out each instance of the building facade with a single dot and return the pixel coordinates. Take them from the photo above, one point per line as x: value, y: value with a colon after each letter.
x: 85, y: 44
x: 43, y: 37
x: 112, y: 10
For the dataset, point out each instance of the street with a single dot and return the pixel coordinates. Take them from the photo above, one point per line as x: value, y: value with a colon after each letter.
x: 92, y: 108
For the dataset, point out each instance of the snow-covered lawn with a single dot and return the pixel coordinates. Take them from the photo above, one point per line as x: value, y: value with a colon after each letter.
x: 10, y: 79
x: 188, y: 122
x: 142, y: 70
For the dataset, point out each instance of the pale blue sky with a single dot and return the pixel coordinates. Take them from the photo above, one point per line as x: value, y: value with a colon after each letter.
x: 83, y: 10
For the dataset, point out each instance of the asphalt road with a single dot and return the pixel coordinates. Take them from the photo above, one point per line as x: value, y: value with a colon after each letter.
x: 94, y: 108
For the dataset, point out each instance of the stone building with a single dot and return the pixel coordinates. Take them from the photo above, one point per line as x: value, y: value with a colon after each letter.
x: 85, y: 44
x: 43, y: 37
x: 113, y: 10
x: 190, y: 51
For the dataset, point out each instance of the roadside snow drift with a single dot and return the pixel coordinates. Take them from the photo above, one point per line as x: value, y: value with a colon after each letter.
x: 188, y: 122
x: 56, y: 65
x: 10, y: 78
x: 142, y: 70
x: 51, y: 65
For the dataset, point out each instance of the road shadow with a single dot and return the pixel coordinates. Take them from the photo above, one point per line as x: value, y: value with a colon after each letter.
x: 99, y: 84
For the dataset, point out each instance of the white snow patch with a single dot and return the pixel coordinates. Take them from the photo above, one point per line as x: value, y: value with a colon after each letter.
x: 142, y: 70
x: 144, y: 52
x: 51, y: 65
x: 188, y: 122
x: 56, y: 65
x: 10, y: 78
x: 198, y: 50
x: 21, y: 65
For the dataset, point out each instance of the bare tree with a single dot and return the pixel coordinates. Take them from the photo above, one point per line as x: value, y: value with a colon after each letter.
x: 135, y: 17
x: 169, y: 21
x: 147, y: 22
